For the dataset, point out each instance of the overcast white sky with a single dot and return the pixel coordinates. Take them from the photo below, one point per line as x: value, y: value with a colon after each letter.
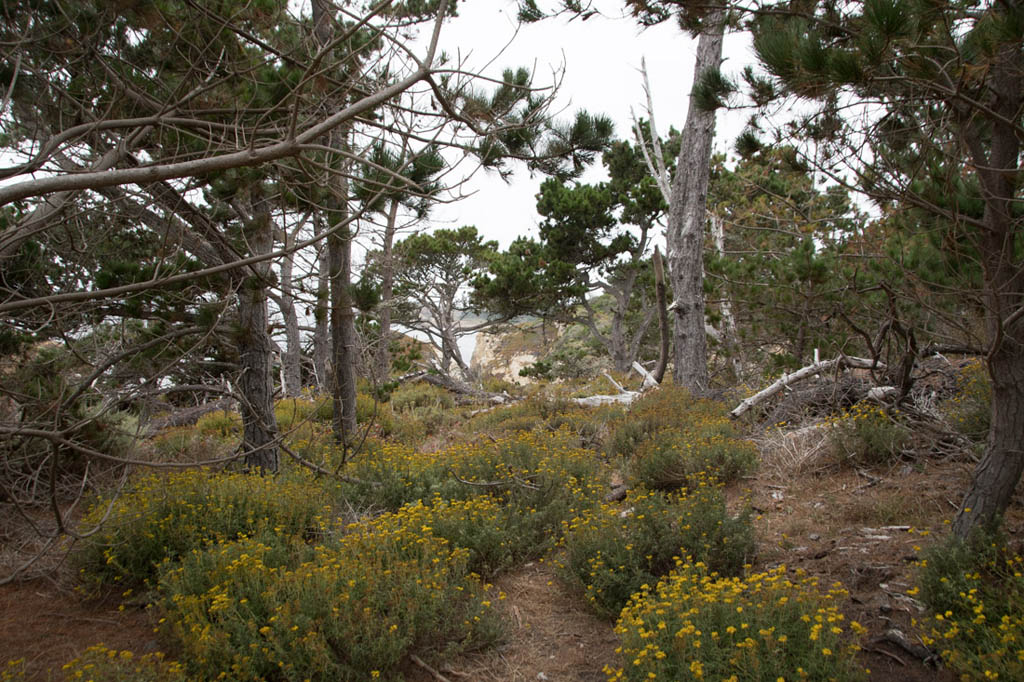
x: 601, y: 60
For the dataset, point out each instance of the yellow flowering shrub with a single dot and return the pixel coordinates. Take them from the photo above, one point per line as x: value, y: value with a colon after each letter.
x: 255, y: 610
x: 610, y: 554
x: 975, y: 590
x: 865, y: 434
x: 108, y: 665
x: 696, y: 625
x: 14, y: 669
x: 674, y: 458
x: 167, y: 515
x: 669, y: 408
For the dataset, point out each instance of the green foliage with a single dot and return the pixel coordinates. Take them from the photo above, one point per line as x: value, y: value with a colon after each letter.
x: 969, y: 410
x: 763, y: 627
x: 975, y: 590
x: 351, y: 610
x: 46, y: 391
x: 786, y: 263
x: 418, y: 411
x: 524, y: 415
x: 612, y: 554
x: 187, y: 444
x: 220, y: 424
x: 669, y: 408
x: 411, y: 396
x: 166, y: 517
x: 674, y: 459
x: 497, y: 534
x: 373, y: 413
x: 592, y: 237
x: 866, y: 434
x: 713, y: 90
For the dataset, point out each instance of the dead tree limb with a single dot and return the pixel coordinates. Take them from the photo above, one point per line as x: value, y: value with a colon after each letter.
x: 822, y: 367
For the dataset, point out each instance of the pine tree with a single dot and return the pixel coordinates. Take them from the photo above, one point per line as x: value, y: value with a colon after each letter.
x: 939, y: 132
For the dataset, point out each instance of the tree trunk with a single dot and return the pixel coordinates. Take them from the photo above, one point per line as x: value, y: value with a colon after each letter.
x: 663, y: 332
x: 382, y: 359
x: 321, y: 315
x: 339, y: 262
x: 343, y: 333
x: 686, y: 221
x: 997, y: 475
x: 291, y: 358
x: 259, y: 425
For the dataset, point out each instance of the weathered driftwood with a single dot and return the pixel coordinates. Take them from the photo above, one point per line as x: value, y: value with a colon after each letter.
x: 614, y: 383
x: 598, y: 400
x: 455, y: 386
x: 822, y: 367
x: 650, y: 381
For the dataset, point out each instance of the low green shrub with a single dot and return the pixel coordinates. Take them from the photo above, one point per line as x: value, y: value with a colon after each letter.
x: 969, y: 411
x: 324, y: 411
x: 865, y: 435
x: 372, y: 412
x: 352, y: 610
x: 293, y: 411
x: 189, y: 444
x: 668, y: 408
x: 221, y: 424
x: 410, y: 396
x: 388, y: 475
x: 167, y: 516
x: 496, y: 536
x: 674, y: 459
x: 542, y: 478
x: 975, y: 590
x: 612, y: 554
x: 696, y: 624
x: 525, y: 415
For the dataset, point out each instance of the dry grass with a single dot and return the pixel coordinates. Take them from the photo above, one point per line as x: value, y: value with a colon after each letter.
x: 795, y: 452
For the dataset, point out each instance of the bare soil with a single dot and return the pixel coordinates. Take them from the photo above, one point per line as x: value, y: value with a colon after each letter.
x: 859, y: 528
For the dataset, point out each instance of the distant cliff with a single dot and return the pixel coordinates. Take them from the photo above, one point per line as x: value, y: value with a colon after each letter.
x: 504, y: 353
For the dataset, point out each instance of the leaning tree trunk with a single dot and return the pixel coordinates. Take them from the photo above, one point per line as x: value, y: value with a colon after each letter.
x: 999, y: 471
x: 255, y: 385
x: 996, y: 476
x: 686, y: 221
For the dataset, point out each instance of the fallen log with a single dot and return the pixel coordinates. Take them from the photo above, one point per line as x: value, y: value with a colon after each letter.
x: 455, y: 386
x: 841, y: 362
x: 598, y: 400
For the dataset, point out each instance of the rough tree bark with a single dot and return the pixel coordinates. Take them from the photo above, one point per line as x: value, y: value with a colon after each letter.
x: 343, y: 330
x: 255, y: 384
x: 1000, y: 469
x: 291, y: 356
x: 339, y: 263
x: 321, y: 315
x: 382, y: 359
x: 663, y: 331
x: 686, y: 220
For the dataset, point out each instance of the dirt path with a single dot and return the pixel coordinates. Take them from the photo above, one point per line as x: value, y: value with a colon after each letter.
x: 49, y: 626
x: 552, y: 636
